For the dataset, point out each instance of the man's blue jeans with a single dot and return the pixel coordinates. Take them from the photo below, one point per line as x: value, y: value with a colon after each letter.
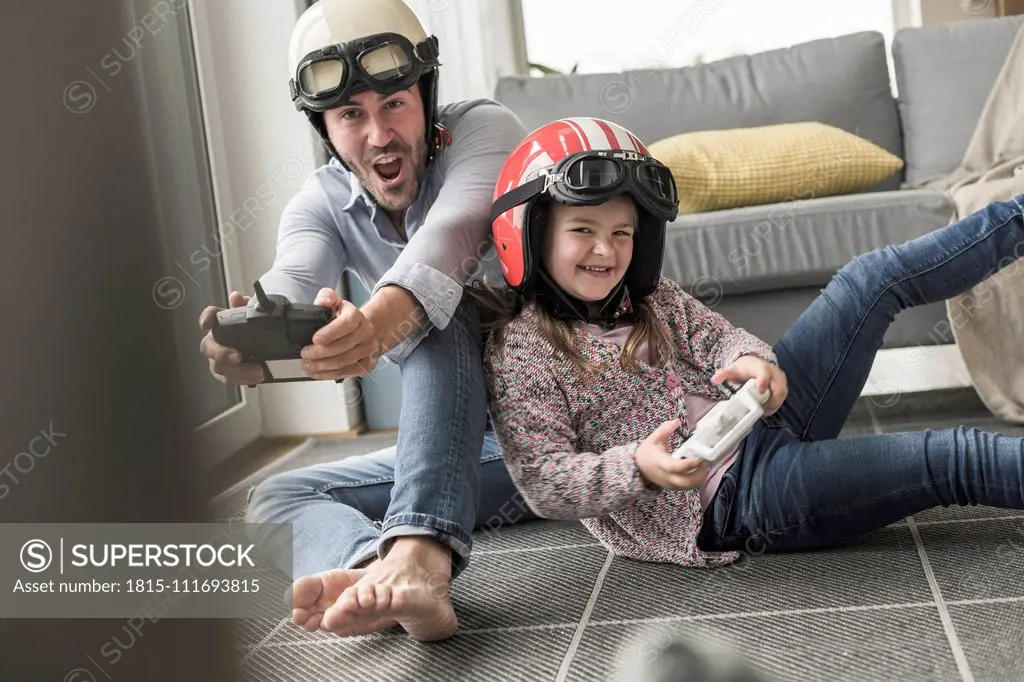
x: 429, y: 483
x: 796, y: 484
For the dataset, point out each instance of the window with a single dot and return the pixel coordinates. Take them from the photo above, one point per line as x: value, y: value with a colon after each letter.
x: 200, y: 244
x: 602, y: 36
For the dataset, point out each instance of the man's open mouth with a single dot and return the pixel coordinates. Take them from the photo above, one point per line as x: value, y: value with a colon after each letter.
x: 388, y: 167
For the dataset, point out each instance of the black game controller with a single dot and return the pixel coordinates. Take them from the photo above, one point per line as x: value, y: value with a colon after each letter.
x: 271, y: 331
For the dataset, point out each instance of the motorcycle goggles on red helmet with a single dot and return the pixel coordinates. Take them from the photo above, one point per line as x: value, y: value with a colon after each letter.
x: 593, y: 177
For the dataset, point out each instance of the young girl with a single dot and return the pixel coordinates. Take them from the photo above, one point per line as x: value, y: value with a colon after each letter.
x: 599, y: 368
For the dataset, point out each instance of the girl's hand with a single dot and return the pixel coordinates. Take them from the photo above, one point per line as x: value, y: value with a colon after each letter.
x: 659, y: 468
x: 769, y: 378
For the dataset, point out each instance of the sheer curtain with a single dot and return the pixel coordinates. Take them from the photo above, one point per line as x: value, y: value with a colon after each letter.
x: 480, y: 41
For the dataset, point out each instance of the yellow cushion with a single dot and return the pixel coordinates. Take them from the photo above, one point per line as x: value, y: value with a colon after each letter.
x: 719, y: 169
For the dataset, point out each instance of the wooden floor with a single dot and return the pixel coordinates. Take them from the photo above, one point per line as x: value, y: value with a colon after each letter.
x: 263, y: 452
x: 247, y: 461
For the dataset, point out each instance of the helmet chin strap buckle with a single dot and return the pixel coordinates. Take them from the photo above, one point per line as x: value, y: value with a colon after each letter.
x: 610, y: 312
x: 443, y: 138
x: 427, y: 50
x: 549, y: 179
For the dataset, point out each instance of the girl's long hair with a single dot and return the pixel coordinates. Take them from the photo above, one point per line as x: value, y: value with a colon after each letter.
x: 499, y: 305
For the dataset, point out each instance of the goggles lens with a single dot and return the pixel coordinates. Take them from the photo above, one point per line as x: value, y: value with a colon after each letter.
x: 659, y: 180
x: 387, y: 62
x: 384, y: 62
x: 322, y: 77
x: 592, y: 174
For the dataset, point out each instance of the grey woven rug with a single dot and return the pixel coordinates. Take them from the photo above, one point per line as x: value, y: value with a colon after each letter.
x: 936, y: 597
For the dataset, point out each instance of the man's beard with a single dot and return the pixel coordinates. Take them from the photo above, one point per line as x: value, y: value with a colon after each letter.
x: 392, y: 201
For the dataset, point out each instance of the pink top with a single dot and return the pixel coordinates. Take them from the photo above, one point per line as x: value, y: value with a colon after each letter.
x: 569, y: 437
x: 696, y: 407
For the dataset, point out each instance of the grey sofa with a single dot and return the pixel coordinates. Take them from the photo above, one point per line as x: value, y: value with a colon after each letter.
x: 761, y: 266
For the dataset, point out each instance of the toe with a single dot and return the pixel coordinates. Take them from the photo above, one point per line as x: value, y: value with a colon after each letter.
x: 366, y: 596
x: 333, y: 619
x: 340, y: 621
x: 384, y: 597
x: 306, y: 619
x: 349, y: 600
x: 361, y: 610
x: 342, y: 613
x: 305, y: 591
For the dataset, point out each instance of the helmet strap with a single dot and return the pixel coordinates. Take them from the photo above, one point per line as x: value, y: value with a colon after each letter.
x: 316, y: 119
x: 438, y: 136
x: 565, y: 306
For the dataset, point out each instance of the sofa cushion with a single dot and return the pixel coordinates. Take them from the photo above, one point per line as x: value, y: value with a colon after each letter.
x: 794, y: 244
x: 719, y: 169
x: 841, y: 81
x: 944, y: 75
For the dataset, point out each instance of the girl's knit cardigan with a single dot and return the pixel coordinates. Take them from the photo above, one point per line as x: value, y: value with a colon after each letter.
x: 569, y: 437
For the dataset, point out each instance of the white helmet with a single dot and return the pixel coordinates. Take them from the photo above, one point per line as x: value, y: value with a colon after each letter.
x: 343, y: 47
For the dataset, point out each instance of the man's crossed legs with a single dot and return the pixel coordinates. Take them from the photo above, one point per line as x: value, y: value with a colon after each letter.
x: 376, y: 539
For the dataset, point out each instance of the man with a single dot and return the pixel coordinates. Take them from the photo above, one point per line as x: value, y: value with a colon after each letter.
x: 404, y: 203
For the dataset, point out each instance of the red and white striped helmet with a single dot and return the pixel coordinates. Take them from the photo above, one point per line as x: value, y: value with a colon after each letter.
x: 580, y: 161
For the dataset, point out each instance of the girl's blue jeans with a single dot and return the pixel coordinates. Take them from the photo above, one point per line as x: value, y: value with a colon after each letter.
x: 797, y: 485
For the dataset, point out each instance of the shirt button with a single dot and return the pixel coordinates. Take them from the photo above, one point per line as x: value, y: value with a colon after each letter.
x: 672, y: 381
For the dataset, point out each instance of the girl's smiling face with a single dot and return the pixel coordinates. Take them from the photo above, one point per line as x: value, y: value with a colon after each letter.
x: 588, y: 248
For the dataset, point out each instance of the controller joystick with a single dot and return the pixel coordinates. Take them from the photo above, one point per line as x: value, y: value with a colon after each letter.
x: 264, y: 303
x: 271, y: 331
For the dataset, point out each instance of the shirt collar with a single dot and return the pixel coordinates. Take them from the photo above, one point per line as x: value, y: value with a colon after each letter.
x: 356, y: 192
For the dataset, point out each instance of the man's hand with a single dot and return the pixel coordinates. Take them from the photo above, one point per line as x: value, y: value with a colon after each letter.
x: 395, y: 314
x: 769, y: 378
x: 226, y: 363
x: 345, y: 347
x: 658, y: 467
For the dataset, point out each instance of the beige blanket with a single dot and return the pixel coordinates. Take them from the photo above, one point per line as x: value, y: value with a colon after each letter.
x: 988, y: 320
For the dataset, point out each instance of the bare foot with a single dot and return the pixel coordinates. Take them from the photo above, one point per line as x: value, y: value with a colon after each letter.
x: 312, y: 595
x: 409, y: 586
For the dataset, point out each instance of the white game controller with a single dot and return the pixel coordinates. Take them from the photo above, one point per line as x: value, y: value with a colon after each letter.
x: 725, y: 425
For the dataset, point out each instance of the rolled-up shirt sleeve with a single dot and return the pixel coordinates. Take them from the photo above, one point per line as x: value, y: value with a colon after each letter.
x: 310, y: 254
x: 455, y: 235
